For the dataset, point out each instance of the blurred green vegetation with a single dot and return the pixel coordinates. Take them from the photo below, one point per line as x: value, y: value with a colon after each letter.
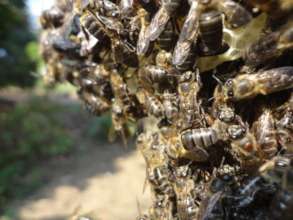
x: 35, y: 129
x: 17, y: 58
x: 30, y: 133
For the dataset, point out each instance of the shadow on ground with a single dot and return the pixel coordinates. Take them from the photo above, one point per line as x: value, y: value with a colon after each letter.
x: 99, y: 179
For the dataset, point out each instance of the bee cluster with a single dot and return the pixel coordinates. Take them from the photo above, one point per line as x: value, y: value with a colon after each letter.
x: 209, y: 80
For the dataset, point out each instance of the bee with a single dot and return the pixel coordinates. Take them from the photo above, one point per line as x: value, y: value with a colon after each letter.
x: 186, y: 204
x: 89, y: 23
x: 187, y: 207
x: 159, y: 179
x: 275, y: 9
x: 282, y: 204
x: 269, y: 47
x: 167, y: 38
x: 263, y: 82
x: 199, y: 139
x: 183, y: 54
x: 285, y: 131
x: 162, y: 208
x: 125, y: 106
x: 265, y: 133
x: 279, y: 171
x: 143, y: 41
x: 152, y: 75
x: 171, y: 110
x: 235, y: 14
x: 52, y: 18
x: 191, y: 113
x: 161, y: 18
x: 152, y: 148
x: 211, y: 31
x: 94, y: 104
x: 244, y: 143
x: 217, y: 190
x: 152, y: 104
x: 123, y: 51
x: 104, y: 7
x: 225, y: 113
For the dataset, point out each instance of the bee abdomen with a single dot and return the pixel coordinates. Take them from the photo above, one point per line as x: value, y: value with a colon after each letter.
x: 166, y: 39
x: 202, y: 137
x: 188, y: 62
x: 154, y: 107
x: 92, y: 27
x: 282, y: 206
x: 211, y: 29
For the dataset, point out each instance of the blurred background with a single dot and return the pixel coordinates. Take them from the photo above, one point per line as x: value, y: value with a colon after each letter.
x: 55, y: 159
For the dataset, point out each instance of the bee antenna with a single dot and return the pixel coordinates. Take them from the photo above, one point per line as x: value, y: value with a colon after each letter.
x: 219, y: 81
x: 211, y: 99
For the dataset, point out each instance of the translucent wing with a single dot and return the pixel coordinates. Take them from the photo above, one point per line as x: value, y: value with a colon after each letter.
x: 158, y: 24
x: 143, y: 42
x: 187, y: 35
x: 235, y: 13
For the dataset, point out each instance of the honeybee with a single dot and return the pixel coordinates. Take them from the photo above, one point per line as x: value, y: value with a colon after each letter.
x: 285, y: 131
x: 151, y: 75
x: 162, y: 208
x: 244, y: 143
x: 191, y: 113
x: 211, y: 30
x: 52, y: 18
x: 265, y: 133
x: 161, y: 18
x: 152, y: 147
x: 263, y: 82
x: 270, y: 46
x: 198, y: 140
x: 170, y: 101
x: 158, y: 177
x: 104, y: 7
x: 123, y: 51
x: 89, y: 23
x: 217, y: 190
x: 125, y: 106
x: 199, y: 22
x: 143, y: 41
x: 167, y: 38
x: 275, y: 9
x: 235, y: 13
x: 186, y: 204
x: 183, y: 54
x: 279, y: 171
x: 152, y: 104
x: 94, y: 104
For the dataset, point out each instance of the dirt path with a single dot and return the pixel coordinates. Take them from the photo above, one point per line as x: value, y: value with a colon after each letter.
x: 103, y: 182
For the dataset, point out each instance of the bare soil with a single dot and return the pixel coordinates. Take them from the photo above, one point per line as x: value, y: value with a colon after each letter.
x: 104, y: 182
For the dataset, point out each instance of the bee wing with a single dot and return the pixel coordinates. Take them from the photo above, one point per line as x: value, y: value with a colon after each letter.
x: 181, y: 52
x: 208, y: 205
x: 189, y: 28
x: 235, y: 13
x: 143, y: 42
x: 157, y: 24
x: 187, y: 35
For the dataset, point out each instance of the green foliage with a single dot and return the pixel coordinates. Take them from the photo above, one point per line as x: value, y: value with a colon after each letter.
x: 16, y: 67
x: 99, y: 127
x: 29, y: 133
